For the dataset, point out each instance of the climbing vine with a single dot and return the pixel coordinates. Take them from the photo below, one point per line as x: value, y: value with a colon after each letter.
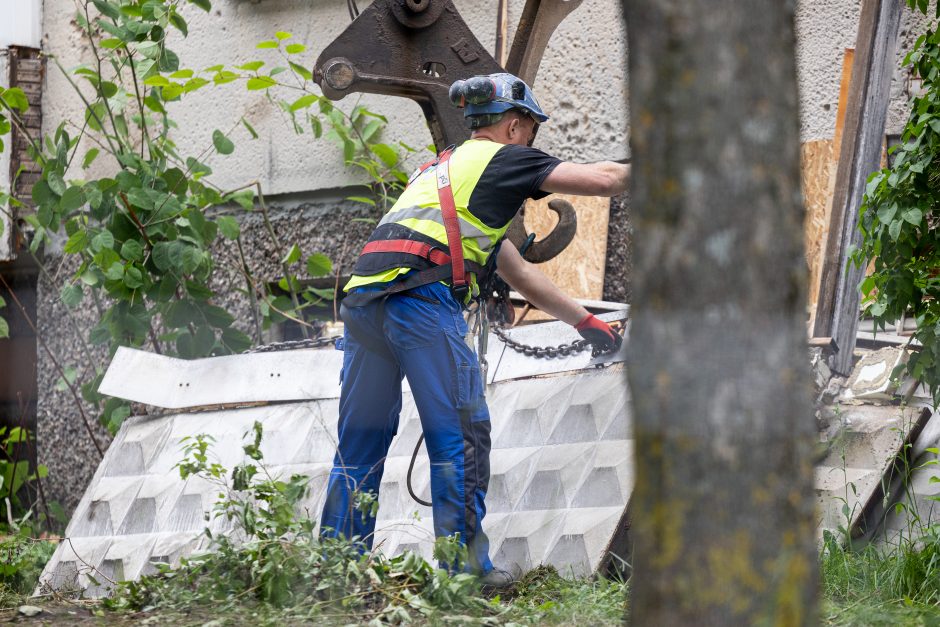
x: 143, y: 237
x: 900, y: 219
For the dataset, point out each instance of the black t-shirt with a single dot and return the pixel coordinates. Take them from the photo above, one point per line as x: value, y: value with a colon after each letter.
x: 514, y: 174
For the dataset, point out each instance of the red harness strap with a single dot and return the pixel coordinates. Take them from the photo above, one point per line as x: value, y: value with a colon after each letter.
x: 408, y: 246
x: 445, y: 195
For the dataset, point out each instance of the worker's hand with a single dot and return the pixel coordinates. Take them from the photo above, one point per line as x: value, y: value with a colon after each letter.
x: 600, y: 334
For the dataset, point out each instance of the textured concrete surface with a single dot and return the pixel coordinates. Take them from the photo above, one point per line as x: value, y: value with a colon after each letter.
x: 592, y: 44
x: 63, y: 442
x: 824, y: 29
x: 562, y: 473
x: 859, y: 455
x: 919, y: 500
x: 619, y: 251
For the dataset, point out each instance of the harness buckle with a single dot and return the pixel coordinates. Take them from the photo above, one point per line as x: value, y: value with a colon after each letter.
x: 460, y: 292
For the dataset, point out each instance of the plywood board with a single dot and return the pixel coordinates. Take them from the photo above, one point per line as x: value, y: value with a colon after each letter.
x: 579, y: 269
x: 817, y: 176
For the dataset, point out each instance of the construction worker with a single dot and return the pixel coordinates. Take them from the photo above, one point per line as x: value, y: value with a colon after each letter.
x: 403, y: 312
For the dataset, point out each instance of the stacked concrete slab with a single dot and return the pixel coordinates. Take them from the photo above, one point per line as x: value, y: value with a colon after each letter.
x: 562, y: 468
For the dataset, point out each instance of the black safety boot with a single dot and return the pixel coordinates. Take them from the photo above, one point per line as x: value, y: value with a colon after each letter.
x: 498, y: 579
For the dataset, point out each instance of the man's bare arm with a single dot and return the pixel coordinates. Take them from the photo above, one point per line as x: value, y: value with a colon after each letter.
x: 604, y: 178
x: 529, y: 281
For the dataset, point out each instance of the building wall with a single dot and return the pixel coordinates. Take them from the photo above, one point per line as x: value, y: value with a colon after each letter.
x: 581, y: 84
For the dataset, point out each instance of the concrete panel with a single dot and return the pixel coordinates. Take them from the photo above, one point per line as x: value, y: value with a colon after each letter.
x: 860, y: 454
x: 918, y: 500
x: 559, y: 485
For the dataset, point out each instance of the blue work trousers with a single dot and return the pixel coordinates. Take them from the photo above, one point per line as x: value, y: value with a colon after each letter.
x: 419, y: 335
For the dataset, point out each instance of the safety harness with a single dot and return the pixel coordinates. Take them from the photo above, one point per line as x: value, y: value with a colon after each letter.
x: 435, y: 263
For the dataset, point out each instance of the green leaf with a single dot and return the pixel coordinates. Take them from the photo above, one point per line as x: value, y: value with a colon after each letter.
x: 386, y: 153
x: 303, y: 72
x: 71, y: 295
x: 235, y: 340
x: 102, y: 240
x: 16, y: 99
x: 244, y: 197
x: 89, y: 157
x: 182, y: 74
x: 370, y: 129
x: 282, y: 35
x: 76, y: 242
x: 303, y: 102
x: 4, y: 328
x: 894, y: 229
x: 165, y: 255
x: 223, y: 77
x: 205, y: 5
x: 133, y: 278
x: 295, y: 48
x: 217, y: 317
x: 72, y: 199
x: 260, y: 82
x: 171, y: 91
x: 362, y: 199
x: 251, y: 129
x: 108, y: 9
x: 266, y: 45
x: 177, y: 20
x: 292, y: 256
x: 319, y: 265
x: 222, y: 143
x: 251, y: 66
x: 132, y: 250
x: 107, y: 89
x: 913, y: 215
x: 229, y: 227
x: 149, y: 49
x: 197, y: 168
x: 56, y: 183
x: 886, y: 213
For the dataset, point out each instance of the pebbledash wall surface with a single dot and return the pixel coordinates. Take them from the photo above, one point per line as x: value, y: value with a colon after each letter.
x: 581, y: 84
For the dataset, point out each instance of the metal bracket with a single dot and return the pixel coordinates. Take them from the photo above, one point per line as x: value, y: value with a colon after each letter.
x: 409, y: 48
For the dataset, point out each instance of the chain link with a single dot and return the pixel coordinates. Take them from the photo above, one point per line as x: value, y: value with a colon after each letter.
x: 551, y: 352
x: 291, y: 345
x: 542, y: 352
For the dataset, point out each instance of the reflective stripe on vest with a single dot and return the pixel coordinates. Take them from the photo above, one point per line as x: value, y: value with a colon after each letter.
x: 417, y: 215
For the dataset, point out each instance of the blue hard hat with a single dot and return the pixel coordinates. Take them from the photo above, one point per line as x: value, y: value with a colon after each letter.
x: 494, y: 94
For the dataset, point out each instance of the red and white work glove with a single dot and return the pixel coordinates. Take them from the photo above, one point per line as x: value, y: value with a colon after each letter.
x: 600, y: 334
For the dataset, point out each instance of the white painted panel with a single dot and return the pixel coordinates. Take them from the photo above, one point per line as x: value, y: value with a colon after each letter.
x: 21, y: 24
x: 177, y: 383
x: 307, y: 374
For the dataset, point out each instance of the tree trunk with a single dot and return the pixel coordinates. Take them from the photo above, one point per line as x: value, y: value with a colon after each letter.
x: 724, y: 528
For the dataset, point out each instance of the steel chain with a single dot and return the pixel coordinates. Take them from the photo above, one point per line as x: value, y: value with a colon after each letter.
x: 290, y: 345
x: 538, y: 352
x: 541, y: 352
x: 550, y: 352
